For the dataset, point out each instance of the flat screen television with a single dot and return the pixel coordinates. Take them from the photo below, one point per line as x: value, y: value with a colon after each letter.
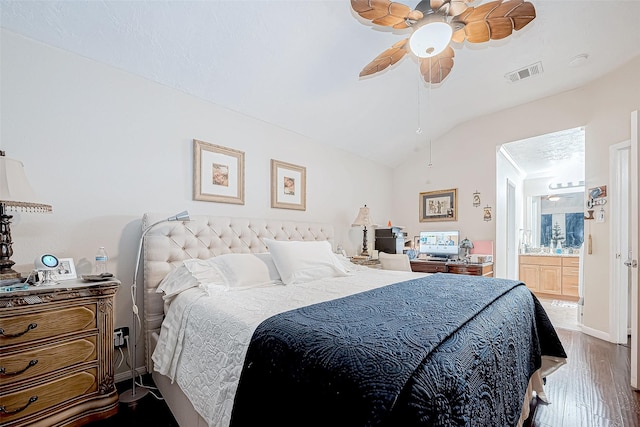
x: 440, y: 244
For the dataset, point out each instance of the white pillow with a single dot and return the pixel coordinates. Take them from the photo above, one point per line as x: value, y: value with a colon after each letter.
x: 300, y: 262
x: 191, y: 273
x: 243, y: 271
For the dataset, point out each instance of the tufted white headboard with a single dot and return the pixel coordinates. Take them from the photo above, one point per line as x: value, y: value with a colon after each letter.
x: 203, y: 237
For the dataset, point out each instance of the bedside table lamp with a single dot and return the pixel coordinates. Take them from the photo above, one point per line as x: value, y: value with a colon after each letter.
x: 15, y: 194
x: 363, y: 220
x: 131, y: 396
x: 467, y: 245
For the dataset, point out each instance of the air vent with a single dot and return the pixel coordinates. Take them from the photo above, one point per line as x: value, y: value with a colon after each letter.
x: 524, y: 73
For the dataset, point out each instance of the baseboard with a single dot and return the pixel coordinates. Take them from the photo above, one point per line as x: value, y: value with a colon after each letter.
x: 596, y: 333
x: 123, y: 376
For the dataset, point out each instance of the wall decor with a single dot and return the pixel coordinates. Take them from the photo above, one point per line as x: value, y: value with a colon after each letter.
x: 439, y: 205
x: 65, y: 270
x: 288, y: 186
x: 487, y: 213
x: 218, y: 173
x: 476, y: 199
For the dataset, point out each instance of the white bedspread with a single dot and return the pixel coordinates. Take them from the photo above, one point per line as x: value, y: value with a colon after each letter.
x: 205, y: 335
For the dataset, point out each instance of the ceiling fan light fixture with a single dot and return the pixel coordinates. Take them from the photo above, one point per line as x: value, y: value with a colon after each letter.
x: 430, y: 39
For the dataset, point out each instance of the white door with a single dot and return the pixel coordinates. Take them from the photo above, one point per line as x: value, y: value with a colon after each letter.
x: 635, y: 237
x: 620, y: 312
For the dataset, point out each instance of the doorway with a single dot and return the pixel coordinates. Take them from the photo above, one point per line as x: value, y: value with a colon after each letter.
x: 544, y: 175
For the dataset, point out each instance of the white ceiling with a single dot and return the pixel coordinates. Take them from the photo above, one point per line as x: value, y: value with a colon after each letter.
x: 295, y: 63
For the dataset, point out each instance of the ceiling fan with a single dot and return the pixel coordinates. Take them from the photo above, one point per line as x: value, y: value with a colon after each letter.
x: 435, y: 24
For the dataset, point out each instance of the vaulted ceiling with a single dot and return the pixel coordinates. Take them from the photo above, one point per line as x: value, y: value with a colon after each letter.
x: 295, y: 63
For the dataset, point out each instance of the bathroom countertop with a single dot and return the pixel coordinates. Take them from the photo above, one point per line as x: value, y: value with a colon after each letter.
x: 548, y: 254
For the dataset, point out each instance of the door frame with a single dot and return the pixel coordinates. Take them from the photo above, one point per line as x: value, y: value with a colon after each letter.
x: 619, y: 310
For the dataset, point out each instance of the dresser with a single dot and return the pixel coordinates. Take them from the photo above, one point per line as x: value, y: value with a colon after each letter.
x: 469, y: 269
x: 56, y: 354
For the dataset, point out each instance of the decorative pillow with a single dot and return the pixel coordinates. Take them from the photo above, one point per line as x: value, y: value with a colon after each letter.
x: 300, y: 262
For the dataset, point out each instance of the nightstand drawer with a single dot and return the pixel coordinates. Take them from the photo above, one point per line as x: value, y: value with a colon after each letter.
x: 41, y: 397
x: 46, y: 324
x: 40, y: 361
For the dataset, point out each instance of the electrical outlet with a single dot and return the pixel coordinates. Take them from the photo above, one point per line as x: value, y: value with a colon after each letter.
x: 119, y: 337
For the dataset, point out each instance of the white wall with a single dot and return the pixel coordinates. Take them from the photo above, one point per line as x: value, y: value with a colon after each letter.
x: 103, y: 147
x: 603, y: 107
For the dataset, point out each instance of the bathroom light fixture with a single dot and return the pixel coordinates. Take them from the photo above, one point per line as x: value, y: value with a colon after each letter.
x: 570, y: 184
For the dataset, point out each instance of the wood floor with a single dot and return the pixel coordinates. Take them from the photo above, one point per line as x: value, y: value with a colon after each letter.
x: 591, y: 390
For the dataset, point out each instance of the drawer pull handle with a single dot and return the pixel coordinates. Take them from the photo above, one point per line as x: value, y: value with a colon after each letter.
x: 19, y: 334
x: 15, y: 411
x: 4, y: 373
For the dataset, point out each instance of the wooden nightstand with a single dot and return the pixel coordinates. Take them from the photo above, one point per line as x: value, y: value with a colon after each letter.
x: 56, y: 354
x: 367, y: 262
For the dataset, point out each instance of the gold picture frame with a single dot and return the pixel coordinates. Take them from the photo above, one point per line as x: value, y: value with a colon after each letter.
x: 218, y: 173
x: 288, y: 186
x: 439, y: 205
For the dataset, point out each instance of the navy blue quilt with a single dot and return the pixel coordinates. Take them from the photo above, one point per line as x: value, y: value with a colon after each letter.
x: 443, y: 350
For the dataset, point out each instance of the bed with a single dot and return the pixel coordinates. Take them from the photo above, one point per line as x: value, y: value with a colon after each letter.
x: 257, y: 322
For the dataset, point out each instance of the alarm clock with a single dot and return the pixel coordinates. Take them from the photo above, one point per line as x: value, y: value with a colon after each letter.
x: 46, y: 262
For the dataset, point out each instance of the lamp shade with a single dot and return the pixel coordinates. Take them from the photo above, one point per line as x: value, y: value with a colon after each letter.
x: 15, y: 190
x: 363, y: 217
x: 466, y: 244
x: 430, y: 39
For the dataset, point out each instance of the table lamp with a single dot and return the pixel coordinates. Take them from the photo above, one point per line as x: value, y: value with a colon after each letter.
x: 363, y: 219
x: 467, y: 245
x: 15, y: 194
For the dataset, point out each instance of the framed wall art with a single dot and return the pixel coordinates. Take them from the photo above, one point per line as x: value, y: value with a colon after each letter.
x: 288, y: 186
x: 439, y: 205
x: 218, y: 173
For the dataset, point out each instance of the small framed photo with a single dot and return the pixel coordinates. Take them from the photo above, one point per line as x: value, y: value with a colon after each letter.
x: 65, y: 270
x: 288, y: 186
x: 416, y: 243
x: 218, y: 173
x: 439, y: 205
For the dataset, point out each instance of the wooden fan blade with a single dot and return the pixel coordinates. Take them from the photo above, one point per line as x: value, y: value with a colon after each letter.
x: 389, y: 57
x: 437, y: 68
x: 385, y: 12
x: 495, y: 20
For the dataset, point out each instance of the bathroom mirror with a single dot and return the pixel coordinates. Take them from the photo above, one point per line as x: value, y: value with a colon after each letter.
x: 555, y: 221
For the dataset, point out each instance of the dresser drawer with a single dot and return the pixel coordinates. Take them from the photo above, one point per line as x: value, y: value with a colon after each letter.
x: 26, y: 402
x: 42, y: 360
x: 46, y: 324
x: 571, y: 262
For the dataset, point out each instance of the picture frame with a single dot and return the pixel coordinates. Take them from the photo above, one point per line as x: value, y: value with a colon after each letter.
x: 218, y: 173
x: 65, y: 270
x: 416, y: 243
x: 288, y: 186
x: 441, y: 205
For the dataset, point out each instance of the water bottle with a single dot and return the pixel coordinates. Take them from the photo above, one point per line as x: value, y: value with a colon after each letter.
x: 101, y: 261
